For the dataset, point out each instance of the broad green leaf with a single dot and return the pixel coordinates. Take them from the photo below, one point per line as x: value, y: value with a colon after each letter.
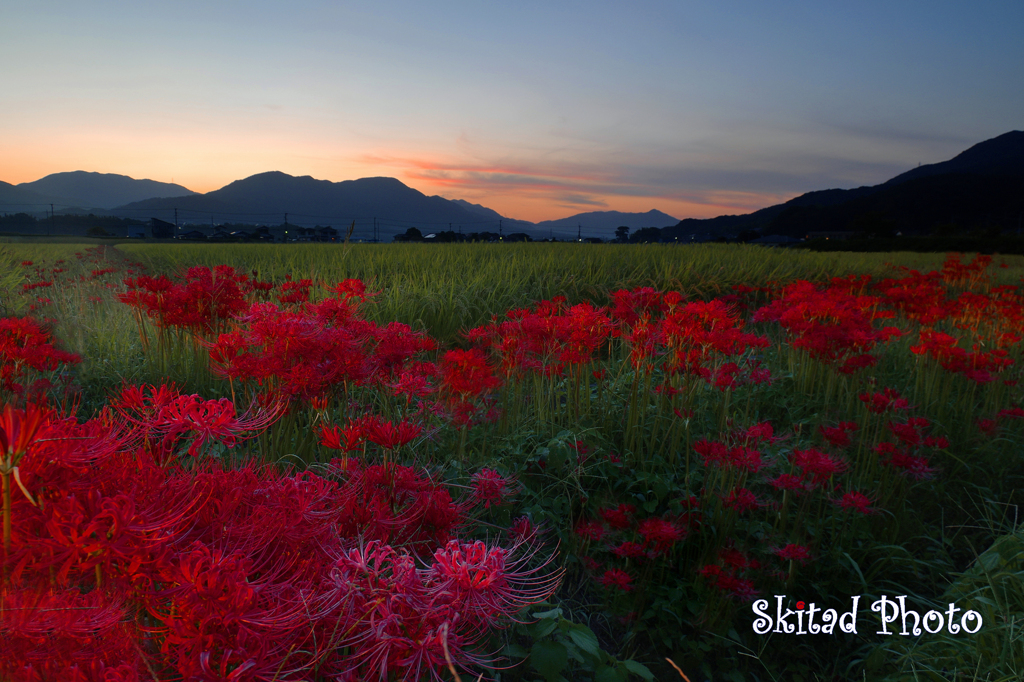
x: 549, y: 658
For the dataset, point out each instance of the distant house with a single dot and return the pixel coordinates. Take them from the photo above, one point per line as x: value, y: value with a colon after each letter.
x: 193, y: 236
x: 161, y: 229
x: 136, y: 232
x: 326, y: 234
x: 220, y: 234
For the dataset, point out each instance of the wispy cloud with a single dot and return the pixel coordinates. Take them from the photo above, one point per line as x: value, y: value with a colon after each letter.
x: 687, y: 191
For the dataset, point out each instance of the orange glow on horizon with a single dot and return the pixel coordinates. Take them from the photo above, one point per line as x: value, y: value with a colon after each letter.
x: 520, y: 191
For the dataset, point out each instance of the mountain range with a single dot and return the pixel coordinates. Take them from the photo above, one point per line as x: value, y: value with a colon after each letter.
x: 981, y: 187
x: 85, y: 190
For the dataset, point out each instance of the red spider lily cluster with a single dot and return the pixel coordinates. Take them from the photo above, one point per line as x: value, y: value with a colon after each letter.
x: 26, y: 352
x: 630, y: 542
x: 120, y: 563
x: 830, y: 324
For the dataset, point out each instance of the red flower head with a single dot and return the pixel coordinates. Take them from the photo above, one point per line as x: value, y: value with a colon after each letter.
x: 490, y: 487
x: 793, y: 552
x: 620, y: 517
x: 858, y: 502
x: 617, y: 579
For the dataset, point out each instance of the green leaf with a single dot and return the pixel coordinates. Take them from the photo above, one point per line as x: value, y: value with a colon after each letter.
x: 660, y: 488
x: 608, y: 674
x: 549, y: 658
x: 553, y: 613
x: 543, y: 628
x: 638, y: 669
x: 585, y: 639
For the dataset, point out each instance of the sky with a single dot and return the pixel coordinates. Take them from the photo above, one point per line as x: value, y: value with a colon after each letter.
x: 539, y: 110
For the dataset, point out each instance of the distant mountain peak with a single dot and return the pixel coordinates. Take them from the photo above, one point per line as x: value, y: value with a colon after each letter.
x: 88, y: 189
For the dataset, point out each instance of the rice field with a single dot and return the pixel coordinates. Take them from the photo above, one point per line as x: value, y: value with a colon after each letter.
x: 522, y: 461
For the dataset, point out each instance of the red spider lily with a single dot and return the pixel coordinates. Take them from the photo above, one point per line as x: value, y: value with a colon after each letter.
x: 590, y: 530
x: 713, y: 452
x: 817, y: 466
x: 415, y: 381
x: 172, y: 418
x: 25, y: 344
x: 301, y: 354
x: 736, y: 559
x: 349, y: 438
x: 881, y: 402
x: 839, y: 435
x: 988, y: 426
x: 490, y: 487
x: 620, y: 517
x: 705, y: 328
x: 18, y: 430
x: 203, y: 302
x: 629, y: 550
x: 295, y: 292
x: 660, y: 534
x: 914, y: 466
x: 491, y: 582
x: 745, y: 459
x: 858, y: 502
x: 352, y: 290
x: 466, y: 373
x: 788, y: 482
x: 977, y: 366
x: 395, y: 344
x: 739, y: 457
x: 1012, y: 412
x: 758, y: 433
x: 386, y: 434
x: 728, y: 582
x: 741, y: 499
x: 792, y: 552
x: 64, y: 635
x: 617, y: 579
x: 832, y: 325
x: 629, y: 307
x: 522, y: 529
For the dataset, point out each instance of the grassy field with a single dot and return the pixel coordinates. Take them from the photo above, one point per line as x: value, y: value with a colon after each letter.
x: 685, y: 455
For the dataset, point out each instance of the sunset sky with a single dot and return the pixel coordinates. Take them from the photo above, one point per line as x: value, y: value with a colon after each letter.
x: 538, y: 110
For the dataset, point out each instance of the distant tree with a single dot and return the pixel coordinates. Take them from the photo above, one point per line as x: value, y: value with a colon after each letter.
x: 646, y: 235
x: 518, y: 237
x: 97, y: 231
x: 411, y: 235
x: 622, y: 234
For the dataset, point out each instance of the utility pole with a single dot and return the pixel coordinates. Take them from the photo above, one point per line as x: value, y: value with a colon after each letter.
x: 175, y: 222
x: 579, y: 232
x: 499, y: 230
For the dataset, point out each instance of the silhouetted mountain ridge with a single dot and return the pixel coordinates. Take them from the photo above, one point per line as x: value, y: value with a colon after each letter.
x: 982, y: 187
x: 100, y: 190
